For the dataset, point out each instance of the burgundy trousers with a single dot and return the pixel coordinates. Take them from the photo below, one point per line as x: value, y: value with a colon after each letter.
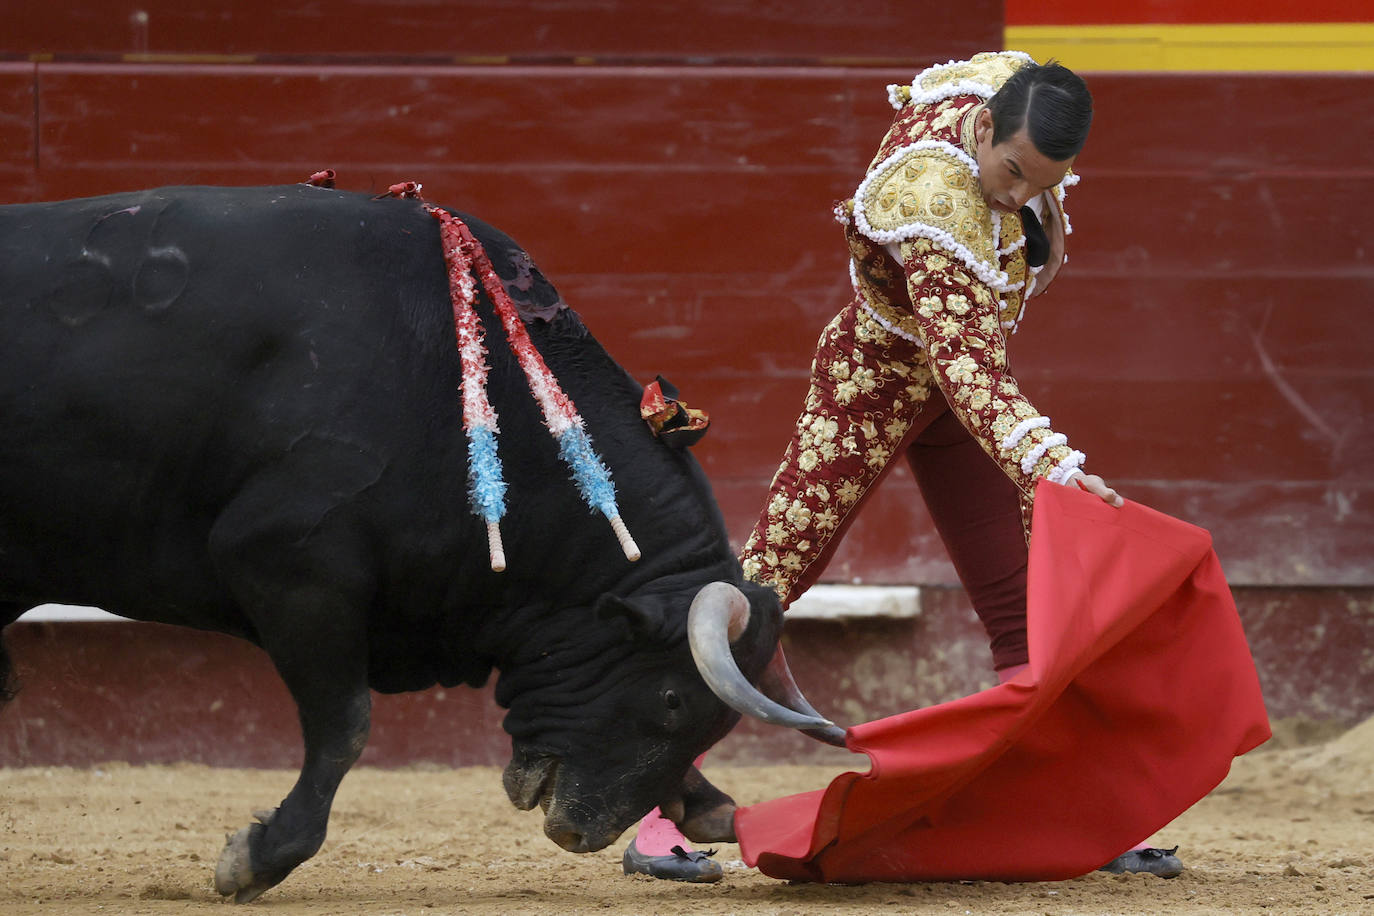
x: 977, y: 512
x: 872, y: 397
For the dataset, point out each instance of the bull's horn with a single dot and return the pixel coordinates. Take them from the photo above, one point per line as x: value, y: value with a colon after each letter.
x: 719, y: 614
x: 777, y: 682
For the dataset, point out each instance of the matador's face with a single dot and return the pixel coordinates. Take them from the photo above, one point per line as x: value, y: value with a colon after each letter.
x: 1013, y: 171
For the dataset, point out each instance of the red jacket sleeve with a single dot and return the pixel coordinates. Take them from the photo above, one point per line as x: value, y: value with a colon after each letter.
x: 957, y: 317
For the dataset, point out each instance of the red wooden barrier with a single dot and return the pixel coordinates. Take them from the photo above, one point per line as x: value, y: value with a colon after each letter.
x: 208, y: 698
x: 1205, y: 345
x: 569, y: 31
x: 673, y: 172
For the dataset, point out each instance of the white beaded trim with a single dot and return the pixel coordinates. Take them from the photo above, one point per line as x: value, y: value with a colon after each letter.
x: 1025, y: 426
x: 949, y: 90
x: 897, y: 155
x: 1067, y: 469
x: 889, y: 326
x: 1061, y: 191
x: 1038, y: 451
x: 1002, y: 252
x: 873, y: 313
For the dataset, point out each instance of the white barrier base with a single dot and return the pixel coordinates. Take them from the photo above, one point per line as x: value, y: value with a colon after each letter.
x: 822, y: 602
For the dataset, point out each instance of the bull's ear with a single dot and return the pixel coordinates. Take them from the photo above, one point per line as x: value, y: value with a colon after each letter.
x: 643, y: 620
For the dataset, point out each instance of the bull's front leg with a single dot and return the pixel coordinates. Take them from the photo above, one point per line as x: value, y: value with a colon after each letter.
x: 324, y: 667
x: 708, y: 814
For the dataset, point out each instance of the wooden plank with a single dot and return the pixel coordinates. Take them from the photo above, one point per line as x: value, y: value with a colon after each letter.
x: 17, y: 117
x: 639, y: 119
x: 1210, y: 327
x: 203, y: 698
x: 1240, y: 224
x: 503, y: 29
x: 1074, y: 12
x: 690, y: 161
x: 1270, y: 123
x: 1202, y: 344
x: 144, y: 693
x: 677, y: 169
x: 1308, y: 429
x: 1269, y: 533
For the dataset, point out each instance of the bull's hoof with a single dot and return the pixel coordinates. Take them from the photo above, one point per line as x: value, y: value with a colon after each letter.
x: 234, y: 871
x: 680, y: 865
x: 714, y: 826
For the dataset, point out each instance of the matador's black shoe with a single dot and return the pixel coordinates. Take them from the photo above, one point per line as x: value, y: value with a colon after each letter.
x: 1161, y: 862
x: 681, y: 865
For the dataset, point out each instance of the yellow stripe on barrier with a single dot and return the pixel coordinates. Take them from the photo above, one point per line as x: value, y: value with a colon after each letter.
x: 1304, y: 46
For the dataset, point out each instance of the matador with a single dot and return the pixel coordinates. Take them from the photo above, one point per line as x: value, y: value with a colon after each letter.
x: 942, y: 261
x: 959, y: 220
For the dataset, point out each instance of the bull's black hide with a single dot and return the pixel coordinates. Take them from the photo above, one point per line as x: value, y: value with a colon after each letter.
x: 238, y: 410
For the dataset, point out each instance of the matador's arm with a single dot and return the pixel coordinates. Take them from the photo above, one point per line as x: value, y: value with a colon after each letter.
x: 957, y: 317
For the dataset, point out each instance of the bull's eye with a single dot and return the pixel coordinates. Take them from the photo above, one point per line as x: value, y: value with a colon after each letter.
x: 671, y: 699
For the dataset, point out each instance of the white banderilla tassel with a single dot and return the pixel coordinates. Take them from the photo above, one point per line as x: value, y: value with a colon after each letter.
x: 627, y: 543
x: 495, y: 548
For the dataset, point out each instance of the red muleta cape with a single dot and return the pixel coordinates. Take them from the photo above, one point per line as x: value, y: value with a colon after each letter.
x: 1140, y: 691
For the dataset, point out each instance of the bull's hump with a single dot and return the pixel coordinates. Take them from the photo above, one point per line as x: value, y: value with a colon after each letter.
x: 532, y: 292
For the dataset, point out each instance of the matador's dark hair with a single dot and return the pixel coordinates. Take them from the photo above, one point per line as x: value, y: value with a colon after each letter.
x: 1051, y: 102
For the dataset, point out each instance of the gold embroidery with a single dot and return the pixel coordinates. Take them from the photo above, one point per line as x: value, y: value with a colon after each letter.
x: 932, y: 187
x: 948, y: 114
x: 967, y: 138
x: 958, y: 179
x: 990, y: 68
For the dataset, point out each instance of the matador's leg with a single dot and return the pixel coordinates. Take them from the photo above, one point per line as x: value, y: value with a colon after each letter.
x: 868, y: 388
x: 977, y: 511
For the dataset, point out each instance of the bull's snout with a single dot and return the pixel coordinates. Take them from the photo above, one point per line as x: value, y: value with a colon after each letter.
x: 574, y: 838
x: 567, y: 837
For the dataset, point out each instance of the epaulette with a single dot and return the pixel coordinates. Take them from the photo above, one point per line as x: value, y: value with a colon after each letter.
x: 981, y: 75
x: 929, y: 189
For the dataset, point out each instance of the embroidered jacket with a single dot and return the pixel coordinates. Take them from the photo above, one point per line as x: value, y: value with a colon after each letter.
x: 939, y: 281
x: 938, y: 267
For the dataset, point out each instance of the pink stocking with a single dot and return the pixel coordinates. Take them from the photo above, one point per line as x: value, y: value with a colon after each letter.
x: 657, y: 835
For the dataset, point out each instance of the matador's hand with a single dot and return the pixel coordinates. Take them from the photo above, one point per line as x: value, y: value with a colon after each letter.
x: 1098, y: 487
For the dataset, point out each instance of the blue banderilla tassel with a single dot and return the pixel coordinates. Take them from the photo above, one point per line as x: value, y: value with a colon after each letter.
x: 592, y: 478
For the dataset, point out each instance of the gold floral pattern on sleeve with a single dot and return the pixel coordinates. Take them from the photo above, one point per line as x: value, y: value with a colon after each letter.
x: 966, y: 349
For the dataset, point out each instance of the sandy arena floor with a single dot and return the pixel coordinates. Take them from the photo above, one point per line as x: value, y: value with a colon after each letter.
x: 1290, y: 831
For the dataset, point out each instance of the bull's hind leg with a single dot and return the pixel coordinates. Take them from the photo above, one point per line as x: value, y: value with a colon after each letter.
x: 301, y: 577
x: 295, y: 561
x: 324, y: 666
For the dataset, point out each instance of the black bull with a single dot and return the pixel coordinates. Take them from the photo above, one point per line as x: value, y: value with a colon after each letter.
x: 238, y: 410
